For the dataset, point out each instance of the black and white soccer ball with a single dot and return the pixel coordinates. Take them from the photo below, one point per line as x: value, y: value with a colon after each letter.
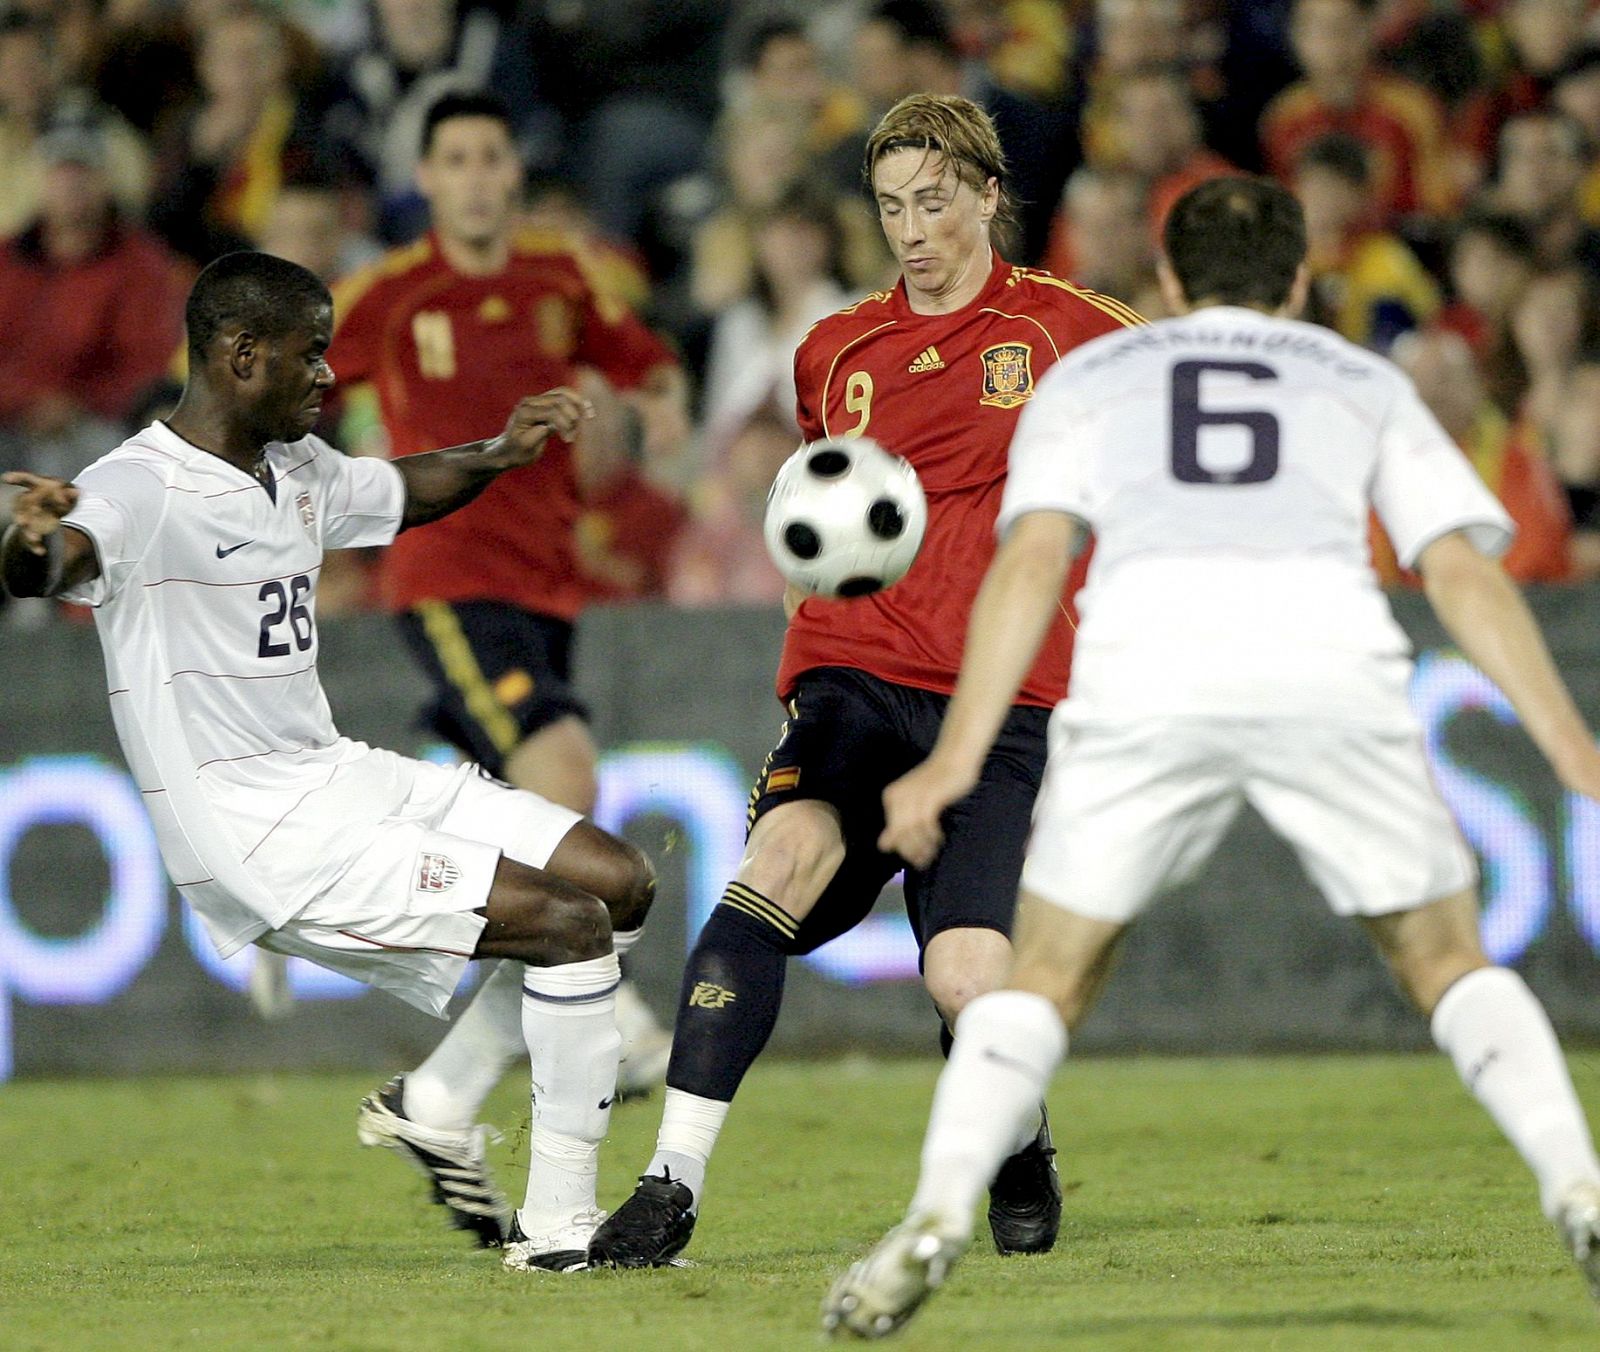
x: 845, y: 517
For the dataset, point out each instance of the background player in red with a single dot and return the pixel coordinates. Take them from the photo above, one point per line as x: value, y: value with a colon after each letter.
x: 443, y: 329
x: 936, y: 370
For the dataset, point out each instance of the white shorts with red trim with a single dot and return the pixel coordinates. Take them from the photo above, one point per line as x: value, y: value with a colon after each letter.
x: 405, y: 915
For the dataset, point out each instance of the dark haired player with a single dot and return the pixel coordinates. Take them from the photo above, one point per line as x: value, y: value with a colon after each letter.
x: 936, y: 370
x: 446, y: 330
x: 1226, y: 464
x: 198, y: 542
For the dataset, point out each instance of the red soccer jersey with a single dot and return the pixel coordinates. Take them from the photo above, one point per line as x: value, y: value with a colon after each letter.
x: 945, y: 392
x: 450, y: 354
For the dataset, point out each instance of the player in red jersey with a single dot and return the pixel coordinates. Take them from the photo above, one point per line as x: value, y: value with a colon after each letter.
x: 936, y: 370
x: 443, y: 329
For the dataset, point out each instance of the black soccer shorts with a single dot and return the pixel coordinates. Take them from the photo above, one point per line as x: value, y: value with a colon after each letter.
x: 850, y: 734
x: 499, y: 673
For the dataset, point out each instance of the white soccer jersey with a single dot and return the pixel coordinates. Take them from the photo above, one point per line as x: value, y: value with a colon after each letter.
x: 1226, y: 463
x: 206, y: 610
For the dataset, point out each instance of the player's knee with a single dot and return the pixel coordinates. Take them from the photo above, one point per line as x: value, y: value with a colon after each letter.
x: 792, y: 857
x: 627, y: 885
x: 577, y: 927
x: 954, y: 991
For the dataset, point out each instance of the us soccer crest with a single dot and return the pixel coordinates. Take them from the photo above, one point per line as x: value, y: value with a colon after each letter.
x: 308, y: 514
x: 437, y: 873
x: 1007, y: 375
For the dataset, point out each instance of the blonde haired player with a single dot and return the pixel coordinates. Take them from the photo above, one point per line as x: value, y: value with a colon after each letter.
x: 1234, y: 648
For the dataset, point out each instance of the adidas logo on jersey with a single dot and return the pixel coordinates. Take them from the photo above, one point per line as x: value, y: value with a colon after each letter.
x: 927, y: 360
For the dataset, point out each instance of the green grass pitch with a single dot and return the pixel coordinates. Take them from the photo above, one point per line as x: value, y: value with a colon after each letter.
x: 1341, y: 1202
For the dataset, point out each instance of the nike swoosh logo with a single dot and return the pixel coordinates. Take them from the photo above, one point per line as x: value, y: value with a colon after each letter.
x: 223, y: 553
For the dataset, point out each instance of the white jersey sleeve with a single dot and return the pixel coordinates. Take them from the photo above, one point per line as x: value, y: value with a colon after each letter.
x: 1424, y: 488
x: 120, y: 505
x: 364, y: 499
x: 1049, y: 469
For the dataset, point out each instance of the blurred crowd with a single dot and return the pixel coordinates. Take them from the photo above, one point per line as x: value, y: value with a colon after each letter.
x: 706, y: 153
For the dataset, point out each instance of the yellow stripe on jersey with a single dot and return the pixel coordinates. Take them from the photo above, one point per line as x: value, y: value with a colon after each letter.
x: 347, y: 292
x: 461, y: 669
x: 1124, y: 314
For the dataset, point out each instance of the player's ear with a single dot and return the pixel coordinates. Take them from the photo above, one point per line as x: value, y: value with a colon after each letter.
x: 1171, y: 288
x: 989, y: 200
x: 1299, y: 293
x: 244, y: 351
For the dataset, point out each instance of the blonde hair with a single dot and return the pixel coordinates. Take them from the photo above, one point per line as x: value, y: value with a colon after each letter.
x: 946, y: 125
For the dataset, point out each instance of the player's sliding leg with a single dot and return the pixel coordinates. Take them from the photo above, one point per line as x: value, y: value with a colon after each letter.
x: 1008, y: 1044
x: 557, y: 762
x: 732, y: 990
x: 562, y: 935
x: 960, y: 964
x: 1498, y: 1036
x: 428, y: 1115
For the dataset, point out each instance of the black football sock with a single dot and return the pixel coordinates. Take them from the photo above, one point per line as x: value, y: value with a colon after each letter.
x: 732, y: 988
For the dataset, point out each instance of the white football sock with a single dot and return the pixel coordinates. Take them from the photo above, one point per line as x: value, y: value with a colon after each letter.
x: 1007, y: 1046
x: 570, y: 1025
x: 447, y: 1090
x: 1497, y: 1033
x: 623, y: 940
x: 689, y: 1128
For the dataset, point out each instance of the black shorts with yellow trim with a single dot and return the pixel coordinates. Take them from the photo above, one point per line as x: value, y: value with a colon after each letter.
x: 499, y: 673
x: 850, y: 734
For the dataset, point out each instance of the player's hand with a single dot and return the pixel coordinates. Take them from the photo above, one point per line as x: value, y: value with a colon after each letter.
x: 534, y: 419
x: 912, y: 806
x: 38, y: 511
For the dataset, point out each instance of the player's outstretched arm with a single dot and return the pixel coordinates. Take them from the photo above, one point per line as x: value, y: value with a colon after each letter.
x: 37, y: 557
x: 1010, y: 617
x: 438, y: 482
x: 1485, y: 613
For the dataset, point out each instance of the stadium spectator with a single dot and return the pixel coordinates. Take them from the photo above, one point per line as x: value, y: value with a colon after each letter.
x: 554, y: 205
x: 1129, y: 36
x: 782, y: 66
x: 1574, y: 450
x: 638, y: 87
x: 309, y: 224
x: 799, y: 278
x: 1442, y: 367
x: 1100, y: 238
x: 1365, y: 283
x: 1576, y: 92
x: 221, y: 163
x: 94, y: 308
x: 627, y: 527
x: 1554, y: 325
x: 1538, y: 38
x: 1025, y: 46
x: 1155, y: 132
x: 1490, y: 259
x: 1543, y: 161
x: 417, y: 51
x: 31, y: 97
x: 1401, y: 124
x: 721, y: 557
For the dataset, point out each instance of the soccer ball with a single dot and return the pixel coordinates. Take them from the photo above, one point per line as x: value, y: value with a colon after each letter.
x: 844, y: 517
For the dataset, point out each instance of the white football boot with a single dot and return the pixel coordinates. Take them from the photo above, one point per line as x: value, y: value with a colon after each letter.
x: 880, y: 1293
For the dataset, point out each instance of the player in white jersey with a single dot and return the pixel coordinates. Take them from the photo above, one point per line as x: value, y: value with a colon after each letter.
x: 198, y: 542
x: 1234, y: 648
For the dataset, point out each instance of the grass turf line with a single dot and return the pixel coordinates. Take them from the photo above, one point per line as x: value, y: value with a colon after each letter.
x: 1339, y: 1202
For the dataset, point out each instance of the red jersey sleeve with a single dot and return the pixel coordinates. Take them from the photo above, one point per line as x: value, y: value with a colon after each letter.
x: 613, y: 340
x: 807, y: 417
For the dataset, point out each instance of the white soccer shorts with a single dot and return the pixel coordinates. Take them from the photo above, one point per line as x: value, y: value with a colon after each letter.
x: 403, y: 917
x: 1128, y: 809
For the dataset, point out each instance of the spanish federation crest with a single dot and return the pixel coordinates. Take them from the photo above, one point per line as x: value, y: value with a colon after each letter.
x: 308, y: 514
x: 1007, y: 375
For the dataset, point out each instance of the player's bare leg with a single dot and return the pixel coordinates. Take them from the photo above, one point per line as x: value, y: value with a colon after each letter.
x: 1008, y: 1045
x: 1025, y: 1195
x: 732, y: 989
x: 1495, y: 1031
x: 558, y: 763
